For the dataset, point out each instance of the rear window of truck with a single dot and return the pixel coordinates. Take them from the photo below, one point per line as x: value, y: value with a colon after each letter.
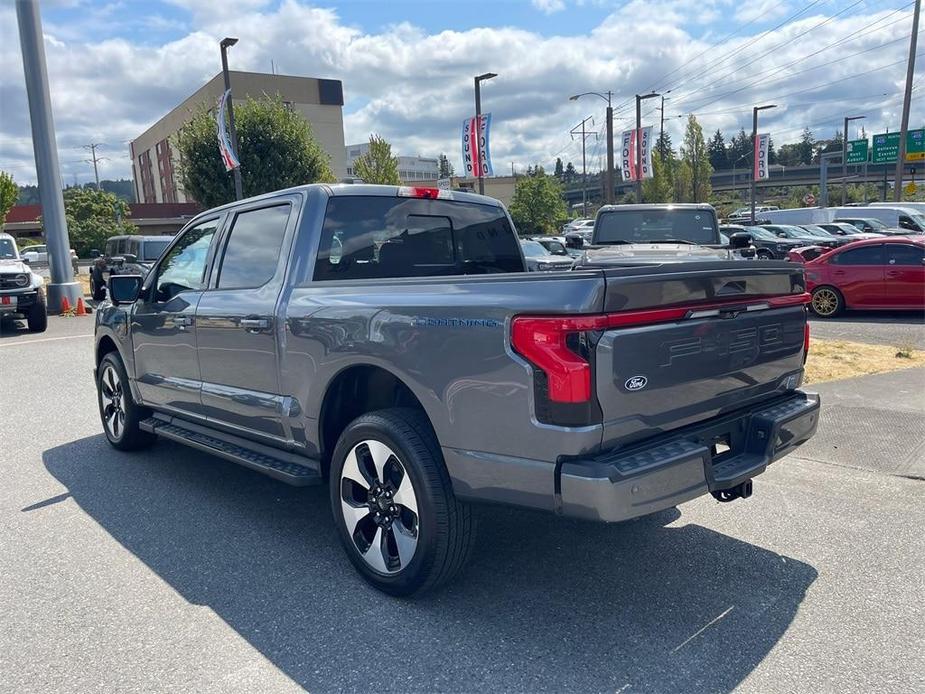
x: 372, y: 237
x: 640, y: 226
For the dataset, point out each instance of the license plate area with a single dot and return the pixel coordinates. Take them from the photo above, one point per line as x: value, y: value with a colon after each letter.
x: 721, y: 449
x: 7, y: 300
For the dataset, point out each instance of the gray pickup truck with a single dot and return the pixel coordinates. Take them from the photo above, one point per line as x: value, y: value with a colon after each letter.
x: 390, y: 343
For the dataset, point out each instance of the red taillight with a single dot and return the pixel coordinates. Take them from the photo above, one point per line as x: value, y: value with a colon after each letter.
x: 426, y: 193
x: 542, y: 340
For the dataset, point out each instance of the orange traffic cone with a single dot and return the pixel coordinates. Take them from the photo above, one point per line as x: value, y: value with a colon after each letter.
x: 65, y: 306
x: 81, y: 310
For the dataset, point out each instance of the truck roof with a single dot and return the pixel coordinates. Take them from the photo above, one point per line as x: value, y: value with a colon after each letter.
x: 658, y: 206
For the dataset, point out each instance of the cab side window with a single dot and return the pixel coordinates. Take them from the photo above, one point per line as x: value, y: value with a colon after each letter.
x: 184, y: 266
x: 253, y: 249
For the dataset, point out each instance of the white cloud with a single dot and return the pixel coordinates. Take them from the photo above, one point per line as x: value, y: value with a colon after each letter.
x: 548, y: 6
x: 415, y: 87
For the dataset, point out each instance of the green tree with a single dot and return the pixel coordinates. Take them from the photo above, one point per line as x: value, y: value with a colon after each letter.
x: 537, y: 206
x: 444, y: 166
x: 93, y: 216
x: 717, y: 148
x: 570, y: 173
x: 659, y: 188
x: 772, y: 153
x: 740, y: 147
x: 695, y: 155
x: 378, y: 165
x: 559, y: 171
x: 277, y: 150
x: 9, y: 192
x: 806, y: 146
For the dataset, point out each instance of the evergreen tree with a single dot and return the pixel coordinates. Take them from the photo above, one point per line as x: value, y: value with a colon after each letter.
x: 807, y: 146
x: 772, y: 153
x: 570, y: 173
x: 740, y: 149
x: 444, y: 166
x: 719, y: 159
x: 559, y: 170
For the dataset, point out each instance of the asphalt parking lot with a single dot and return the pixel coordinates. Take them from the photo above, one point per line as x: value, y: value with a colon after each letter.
x: 892, y: 328
x: 170, y: 570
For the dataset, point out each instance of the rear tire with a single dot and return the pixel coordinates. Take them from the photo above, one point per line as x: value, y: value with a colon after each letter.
x: 119, y: 413
x: 37, y: 318
x: 764, y: 254
x: 827, y: 302
x: 97, y: 287
x: 393, y: 504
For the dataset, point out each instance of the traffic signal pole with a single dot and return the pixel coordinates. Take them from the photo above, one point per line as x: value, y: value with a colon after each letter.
x: 907, y: 98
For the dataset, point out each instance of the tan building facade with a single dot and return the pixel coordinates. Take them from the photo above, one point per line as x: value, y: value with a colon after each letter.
x: 320, y: 101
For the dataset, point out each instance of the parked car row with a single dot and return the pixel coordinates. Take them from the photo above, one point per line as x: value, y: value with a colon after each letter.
x: 39, y: 254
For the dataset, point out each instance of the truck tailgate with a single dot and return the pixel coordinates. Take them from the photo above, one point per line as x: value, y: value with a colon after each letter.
x: 696, y: 342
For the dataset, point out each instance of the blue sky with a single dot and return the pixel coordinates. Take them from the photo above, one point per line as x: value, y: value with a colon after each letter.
x: 407, y: 67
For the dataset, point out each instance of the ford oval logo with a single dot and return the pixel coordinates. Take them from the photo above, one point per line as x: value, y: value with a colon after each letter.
x: 636, y: 383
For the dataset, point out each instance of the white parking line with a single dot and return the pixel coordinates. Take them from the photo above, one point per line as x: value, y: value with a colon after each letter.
x: 43, y: 339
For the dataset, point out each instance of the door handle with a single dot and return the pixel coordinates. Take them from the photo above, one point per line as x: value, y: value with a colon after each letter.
x: 252, y: 324
x: 183, y: 321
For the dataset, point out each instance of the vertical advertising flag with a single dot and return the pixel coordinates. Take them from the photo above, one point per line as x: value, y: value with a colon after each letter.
x: 484, y: 148
x: 476, y: 152
x: 761, y: 156
x: 628, y: 155
x: 646, y: 134
x: 229, y: 158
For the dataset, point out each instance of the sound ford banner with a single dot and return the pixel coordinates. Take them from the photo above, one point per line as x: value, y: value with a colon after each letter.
x: 628, y: 153
x: 229, y: 158
x: 476, y: 152
x: 761, y: 156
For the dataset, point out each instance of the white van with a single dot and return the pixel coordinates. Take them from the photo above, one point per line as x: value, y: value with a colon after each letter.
x: 894, y: 216
x: 917, y: 206
x: 799, y: 215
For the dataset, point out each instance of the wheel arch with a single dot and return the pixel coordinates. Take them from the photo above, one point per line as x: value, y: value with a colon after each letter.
x: 354, y: 391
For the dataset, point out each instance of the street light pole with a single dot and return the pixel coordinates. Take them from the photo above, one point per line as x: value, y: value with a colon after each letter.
x: 639, y: 100
x: 478, y: 112
x: 907, y: 98
x: 225, y: 44
x: 62, y: 283
x: 754, y: 148
x: 844, y: 159
x: 608, y: 175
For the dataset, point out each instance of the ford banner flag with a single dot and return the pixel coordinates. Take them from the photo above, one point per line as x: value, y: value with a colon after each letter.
x: 229, y: 158
x: 761, y: 156
x: 476, y: 153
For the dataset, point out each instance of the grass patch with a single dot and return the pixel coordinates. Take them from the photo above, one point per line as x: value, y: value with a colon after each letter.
x: 832, y: 360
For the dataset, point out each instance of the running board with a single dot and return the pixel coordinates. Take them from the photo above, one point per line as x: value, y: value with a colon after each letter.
x: 281, y: 465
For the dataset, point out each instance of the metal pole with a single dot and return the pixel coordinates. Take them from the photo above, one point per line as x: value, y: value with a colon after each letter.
x: 478, y: 112
x: 638, y: 148
x: 907, y: 98
x: 844, y: 163
x: 584, y: 173
x: 754, y: 144
x: 865, y: 182
x: 62, y: 283
x: 238, y: 185
x: 661, y: 132
x: 608, y: 195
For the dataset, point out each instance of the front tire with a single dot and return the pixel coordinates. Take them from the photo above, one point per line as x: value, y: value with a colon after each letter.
x: 37, y: 318
x: 97, y: 290
x: 397, y: 517
x: 764, y: 254
x: 827, y: 302
x: 119, y: 412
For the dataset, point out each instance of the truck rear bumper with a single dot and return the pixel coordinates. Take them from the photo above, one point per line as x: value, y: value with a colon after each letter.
x: 719, y: 454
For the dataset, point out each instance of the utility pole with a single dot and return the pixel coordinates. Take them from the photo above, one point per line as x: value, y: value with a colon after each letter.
x: 754, y: 150
x: 62, y: 285
x: 94, y: 159
x: 844, y: 159
x: 639, y: 100
x: 478, y: 112
x: 608, y: 176
x: 584, y: 163
x: 907, y: 98
x: 225, y: 44
x: 661, y: 132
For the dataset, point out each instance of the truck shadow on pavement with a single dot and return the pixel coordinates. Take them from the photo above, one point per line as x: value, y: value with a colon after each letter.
x: 547, y: 604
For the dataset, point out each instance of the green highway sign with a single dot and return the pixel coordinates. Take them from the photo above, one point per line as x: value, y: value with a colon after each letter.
x: 857, y: 151
x: 886, y: 147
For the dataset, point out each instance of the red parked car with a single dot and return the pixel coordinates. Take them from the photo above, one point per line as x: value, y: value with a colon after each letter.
x: 884, y: 273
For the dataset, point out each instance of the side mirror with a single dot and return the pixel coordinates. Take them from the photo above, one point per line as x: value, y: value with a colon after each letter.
x: 24, y: 260
x: 124, y: 289
x: 740, y: 240
x: 95, y: 253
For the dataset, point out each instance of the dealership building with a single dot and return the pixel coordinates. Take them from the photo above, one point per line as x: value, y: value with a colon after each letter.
x: 320, y: 101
